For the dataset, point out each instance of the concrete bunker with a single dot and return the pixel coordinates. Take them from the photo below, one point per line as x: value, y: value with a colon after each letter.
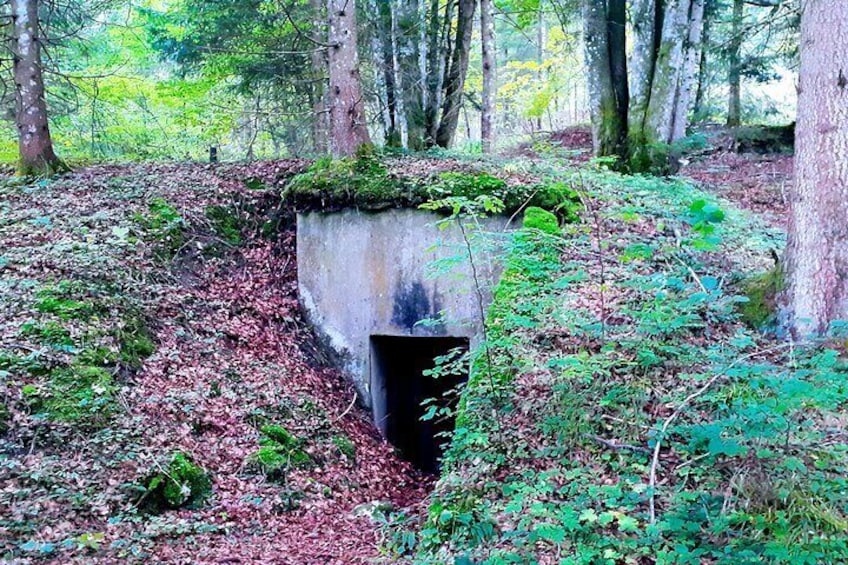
x: 388, y: 291
x: 400, y: 385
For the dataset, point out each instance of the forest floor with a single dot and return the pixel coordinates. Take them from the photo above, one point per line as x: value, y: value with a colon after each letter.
x: 82, y: 255
x: 201, y: 259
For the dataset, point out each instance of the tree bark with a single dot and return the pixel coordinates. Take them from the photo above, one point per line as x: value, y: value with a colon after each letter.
x: 604, y: 31
x: 487, y: 115
x: 318, y: 94
x: 455, y: 82
x: 817, y: 254
x: 386, y: 43
x: 687, y: 80
x: 410, y: 63
x: 664, y: 71
x: 437, y: 56
x: 347, y: 116
x: 734, y: 75
x: 36, y: 155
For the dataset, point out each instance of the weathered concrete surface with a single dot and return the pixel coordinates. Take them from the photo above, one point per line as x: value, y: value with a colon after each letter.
x: 362, y: 274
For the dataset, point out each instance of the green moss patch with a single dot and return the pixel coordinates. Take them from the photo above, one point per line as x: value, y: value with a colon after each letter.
x: 542, y: 220
x: 278, y: 452
x: 164, y: 226
x: 761, y: 291
x: 226, y: 223
x: 79, y: 394
x: 136, y: 341
x: 182, y: 484
x: 364, y: 182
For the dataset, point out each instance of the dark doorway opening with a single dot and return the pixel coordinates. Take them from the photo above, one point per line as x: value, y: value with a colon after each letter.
x: 399, y: 387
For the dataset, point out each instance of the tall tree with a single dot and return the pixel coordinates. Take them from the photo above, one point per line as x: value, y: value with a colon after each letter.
x: 817, y: 254
x: 667, y: 42
x: 37, y: 156
x: 347, y: 117
x: 734, y: 72
x: 609, y: 95
x: 639, y: 111
x: 455, y: 77
x: 490, y: 77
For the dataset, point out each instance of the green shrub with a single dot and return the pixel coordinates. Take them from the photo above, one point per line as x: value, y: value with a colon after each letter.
x: 182, y: 484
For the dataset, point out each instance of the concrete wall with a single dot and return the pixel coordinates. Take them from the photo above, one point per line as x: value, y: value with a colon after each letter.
x: 374, y: 273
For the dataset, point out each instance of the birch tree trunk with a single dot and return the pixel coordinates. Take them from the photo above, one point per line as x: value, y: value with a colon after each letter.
x: 817, y: 254
x: 455, y: 81
x: 734, y: 75
x: 487, y: 114
x: 347, y: 117
x: 688, y: 79
x: 36, y: 155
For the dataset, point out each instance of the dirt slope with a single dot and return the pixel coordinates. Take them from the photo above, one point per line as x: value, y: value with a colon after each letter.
x: 218, y: 297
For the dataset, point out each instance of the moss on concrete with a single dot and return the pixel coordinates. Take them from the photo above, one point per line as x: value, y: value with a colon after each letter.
x: 363, y: 182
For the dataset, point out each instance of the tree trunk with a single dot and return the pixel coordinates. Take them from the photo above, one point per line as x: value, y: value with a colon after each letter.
x: 817, y: 254
x: 734, y: 76
x: 604, y: 30
x: 701, y: 87
x: 664, y: 70
x: 437, y: 56
x: 34, y: 143
x: 320, y: 118
x: 410, y: 60
x: 455, y: 82
x: 487, y: 115
x: 347, y: 116
x: 687, y: 80
x: 386, y: 43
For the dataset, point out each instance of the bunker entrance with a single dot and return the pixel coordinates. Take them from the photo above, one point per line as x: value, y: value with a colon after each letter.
x: 399, y: 386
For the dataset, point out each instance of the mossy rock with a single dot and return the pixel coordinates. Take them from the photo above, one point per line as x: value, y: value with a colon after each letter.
x: 764, y: 139
x: 542, y: 220
x: 759, y: 310
x: 182, y: 484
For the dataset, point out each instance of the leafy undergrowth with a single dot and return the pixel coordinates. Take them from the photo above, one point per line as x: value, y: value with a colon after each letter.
x: 151, y: 353
x: 621, y: 412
